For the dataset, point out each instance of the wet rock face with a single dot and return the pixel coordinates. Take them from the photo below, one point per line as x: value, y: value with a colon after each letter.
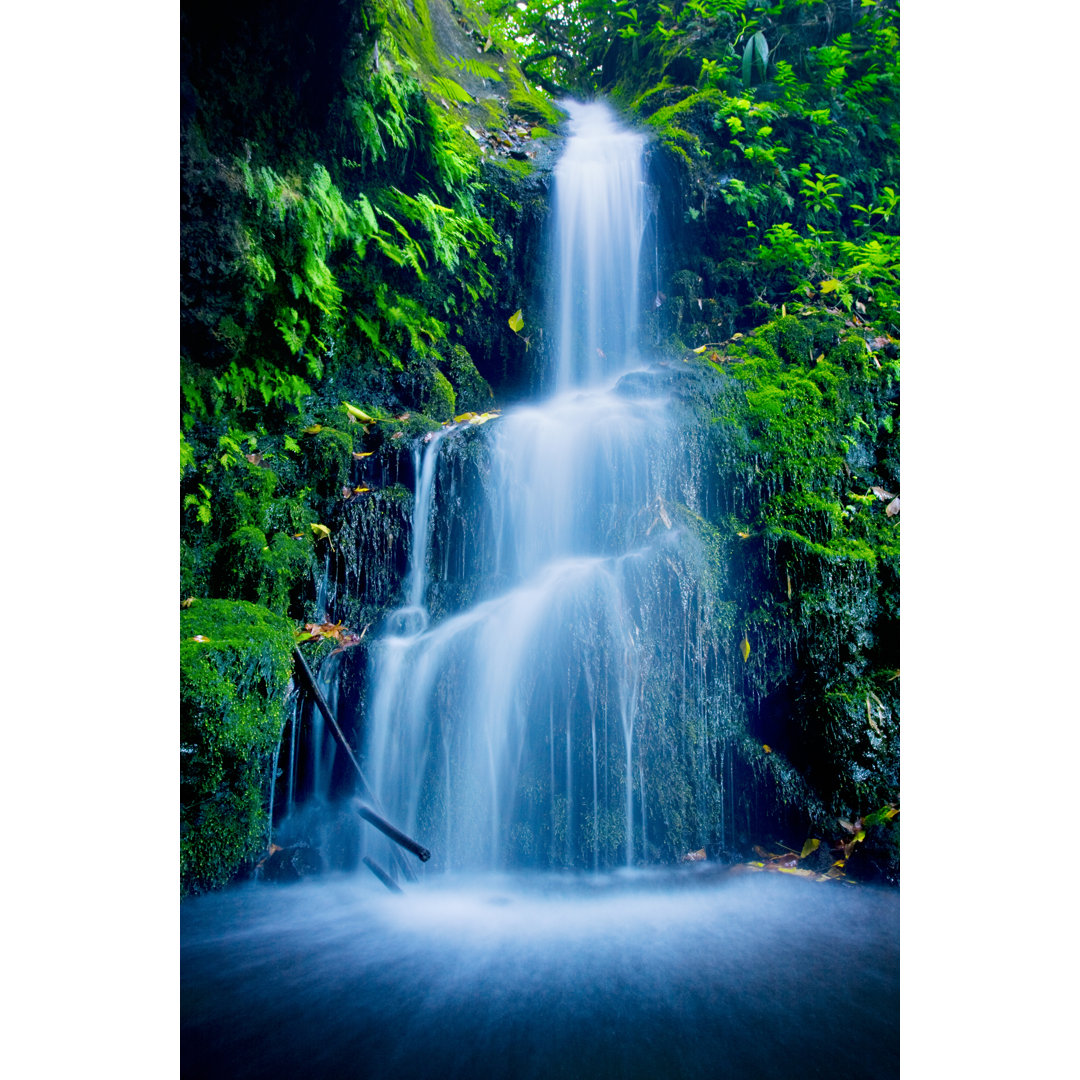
x: 287, y: 865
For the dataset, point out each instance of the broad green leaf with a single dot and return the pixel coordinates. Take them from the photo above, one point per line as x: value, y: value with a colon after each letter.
x: 880, y: 817
x: 747, y: 60
x: 761, y: 47
x: 516, y: 321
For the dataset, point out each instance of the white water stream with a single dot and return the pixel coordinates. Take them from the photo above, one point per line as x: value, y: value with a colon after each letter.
x: 496, y: 724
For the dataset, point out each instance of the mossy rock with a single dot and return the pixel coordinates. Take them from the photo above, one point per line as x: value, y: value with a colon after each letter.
x: 327, y: 460
x: 265, y: 571
x: 472, y: 391
x: 235, y: 663
x: 441, y: 401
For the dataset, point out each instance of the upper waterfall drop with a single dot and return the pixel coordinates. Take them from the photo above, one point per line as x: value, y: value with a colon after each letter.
x: 599, y: 213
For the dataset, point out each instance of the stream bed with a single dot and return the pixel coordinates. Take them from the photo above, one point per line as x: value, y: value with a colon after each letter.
x: 681, y: 973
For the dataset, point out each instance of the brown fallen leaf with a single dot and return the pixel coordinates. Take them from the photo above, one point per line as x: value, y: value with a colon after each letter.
x: 198, y: 637
x: 188, y: 602
x: 882, y: 494
x: 694, y: 856
x: 893, y: 509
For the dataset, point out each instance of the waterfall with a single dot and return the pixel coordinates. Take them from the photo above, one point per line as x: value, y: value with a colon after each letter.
x: 599, y: 216
x: 510, y: 728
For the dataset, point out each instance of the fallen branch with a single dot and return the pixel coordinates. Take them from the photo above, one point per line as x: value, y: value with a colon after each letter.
x: 309, y: 681
x: 382, y: 875
x: 384, y: 826
x: 365, y: 812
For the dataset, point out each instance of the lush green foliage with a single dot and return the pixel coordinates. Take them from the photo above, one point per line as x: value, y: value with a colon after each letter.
x: 342, y: 271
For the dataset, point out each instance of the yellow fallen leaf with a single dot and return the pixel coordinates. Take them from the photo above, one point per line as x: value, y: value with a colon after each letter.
x: 766, y: 748
x: 366, y: 453
x: 320, y: 531
x: 810, y: 846
x: 198, y: 637
x: 516, y: 322
x: 358, y: 414
x: 188, y: 602
x: 313, y: 430
x: 744, y: 648
x: 464, y: 416
x: 360, y: 490
x: 744, y: 535
x: 700, y: 349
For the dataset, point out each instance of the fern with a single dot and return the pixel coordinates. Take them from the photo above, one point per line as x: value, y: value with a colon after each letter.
x: 476, y: 68
x: 451, y: 90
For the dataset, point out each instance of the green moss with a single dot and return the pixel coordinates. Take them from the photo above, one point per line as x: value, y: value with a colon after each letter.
x: 472, y: 392
x: 519, y: 169
x: 791, y: 338
x: 266, y: 571
x: 232, y: 687
x: 328, y: 460
x: 441, y: 402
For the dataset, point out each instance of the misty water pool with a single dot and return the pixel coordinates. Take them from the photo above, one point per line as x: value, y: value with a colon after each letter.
x: 636, y: 974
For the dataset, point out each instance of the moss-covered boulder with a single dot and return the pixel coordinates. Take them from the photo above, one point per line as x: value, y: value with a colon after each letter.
x: 235, y: 664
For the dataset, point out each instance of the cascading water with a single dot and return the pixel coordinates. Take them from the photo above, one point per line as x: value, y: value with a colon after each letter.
x: 599, y: 214
x: 506, y: 732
